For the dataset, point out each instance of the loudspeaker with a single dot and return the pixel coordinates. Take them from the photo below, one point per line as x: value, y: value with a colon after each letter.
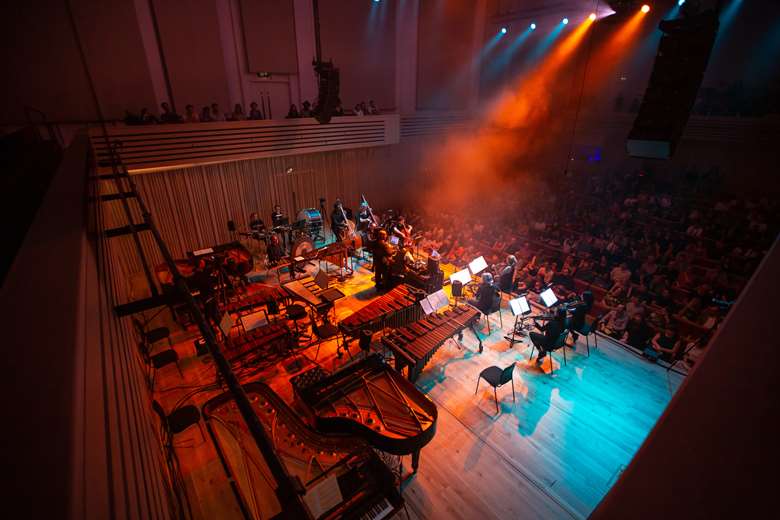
x: 457, y: 288
x: 231, y: 226
x: 328, y: 91
x: 674, y: 82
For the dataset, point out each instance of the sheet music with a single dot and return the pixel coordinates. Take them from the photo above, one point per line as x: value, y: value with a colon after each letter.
x: 225, y: 324
x: 426, y: 306
x: 477, y: 265
x: 254, y: 320
x: 438, y: 299
x: 201, y: 252
x: 519, y: 306
x: 463, y: 276
x: 323, y: 497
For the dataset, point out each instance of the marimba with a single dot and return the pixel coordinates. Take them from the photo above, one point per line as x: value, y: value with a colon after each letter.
x: 415, y: 344
x: 393, y: 309
x: 246, y: 347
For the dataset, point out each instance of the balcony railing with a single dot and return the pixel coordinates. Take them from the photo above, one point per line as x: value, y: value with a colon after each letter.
x: 160, y: 147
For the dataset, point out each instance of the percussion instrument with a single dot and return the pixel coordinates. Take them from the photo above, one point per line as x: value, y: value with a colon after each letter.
x: 301, y: 247
x: 393, y: 309
x: 415, y: 344
x: 313, y: 219
x: 371, y: 400
x: 360, y: 484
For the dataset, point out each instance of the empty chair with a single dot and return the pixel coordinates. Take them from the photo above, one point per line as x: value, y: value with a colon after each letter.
x: 178, y: 420
x: 159, y: 360
x: 153, y: 336
x: 496, y: 377
x: 324, y: 332
x: 559, y: 343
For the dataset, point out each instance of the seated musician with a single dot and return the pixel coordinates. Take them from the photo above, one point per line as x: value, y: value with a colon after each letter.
x: 506, y: 280
x: 487, y: 295
x: 256, y: 224
x: 275, y: 250
x: 554, y: 328
x: 579, y: 310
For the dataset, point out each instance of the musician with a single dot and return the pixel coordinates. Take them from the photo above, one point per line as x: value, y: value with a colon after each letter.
x: 365, y: 218
x: 339, y: 218
x: 277, y: 217
x: 275, y: 250
x: 403, y: 231
x: 579, y: 310
x: 554, y: 328
x: 506, y: 280
x: 256, y: 224
x: 487, y: 296
x: 383, y: 259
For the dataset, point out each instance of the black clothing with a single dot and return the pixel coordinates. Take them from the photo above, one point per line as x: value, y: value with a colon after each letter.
x: 487, y: 298
x: 544, y: 342
x: 277, y: 218
x: 257, y: 225
x: 506, y: 279
x: 639, y: 334
x: 364, y: 220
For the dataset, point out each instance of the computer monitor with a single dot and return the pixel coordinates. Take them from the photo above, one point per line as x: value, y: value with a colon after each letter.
x: 519, y: 306
x: 548, y: 297
x: 394, y: 240
x: 463, y: 277
x: 478, y: 265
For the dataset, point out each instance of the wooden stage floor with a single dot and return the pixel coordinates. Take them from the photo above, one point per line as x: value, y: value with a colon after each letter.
x: 552, y: 453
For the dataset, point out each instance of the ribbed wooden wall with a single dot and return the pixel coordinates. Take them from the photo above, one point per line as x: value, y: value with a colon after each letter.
x: 191, y: 206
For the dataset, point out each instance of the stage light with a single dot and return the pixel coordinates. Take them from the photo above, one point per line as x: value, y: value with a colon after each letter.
x: 645, y: 8
x: 592, y: 16
x: 680, y: 2
x: 533, y: 26
x: 503, y: 30
x: 565, y: 21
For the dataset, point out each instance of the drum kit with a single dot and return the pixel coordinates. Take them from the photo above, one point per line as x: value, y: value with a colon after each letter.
x: 294, y: 240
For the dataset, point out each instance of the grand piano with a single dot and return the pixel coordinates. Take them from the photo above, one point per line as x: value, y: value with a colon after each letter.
x: 336, y: 476
x: 370, y: 400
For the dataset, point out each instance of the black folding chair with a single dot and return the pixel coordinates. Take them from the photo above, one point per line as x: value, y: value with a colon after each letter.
x: 496, y: 377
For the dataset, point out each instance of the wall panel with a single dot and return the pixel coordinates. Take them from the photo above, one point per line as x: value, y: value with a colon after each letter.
x: 445, y: 37
x: 192, y: 51
x: 269, y: 35
x: 359, y: 36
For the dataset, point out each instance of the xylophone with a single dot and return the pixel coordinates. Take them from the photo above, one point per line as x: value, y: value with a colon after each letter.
x: 249, y: 346
x: 393, y: 309
x: 415, y: 344
x: 371, y: 400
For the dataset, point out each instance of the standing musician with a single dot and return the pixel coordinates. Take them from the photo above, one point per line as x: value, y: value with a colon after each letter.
x: 383, y: 259
x: 277, y: 217
x: 553, y: 329
x: 506, y: 280
x: 365, y: 218
x: 403, y: 231
x: 338, y: 220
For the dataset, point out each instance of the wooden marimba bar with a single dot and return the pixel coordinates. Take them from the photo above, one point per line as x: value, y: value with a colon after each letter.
x: 415, y: 344
x: 242, y: 348
x: 393, y: 309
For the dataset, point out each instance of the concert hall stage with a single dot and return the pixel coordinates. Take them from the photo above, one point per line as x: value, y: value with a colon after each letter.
x: 553, y: 453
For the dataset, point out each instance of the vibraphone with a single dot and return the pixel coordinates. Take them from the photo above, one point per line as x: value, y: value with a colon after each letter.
x: 393, y: 309
x: 415, y: 344
x: 248, y: 347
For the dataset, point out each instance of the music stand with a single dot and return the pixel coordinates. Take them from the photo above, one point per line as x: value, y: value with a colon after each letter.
x: 520, y: 309
x: 477, y: 265
x: 548, y: 297
x: 464, y: 277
